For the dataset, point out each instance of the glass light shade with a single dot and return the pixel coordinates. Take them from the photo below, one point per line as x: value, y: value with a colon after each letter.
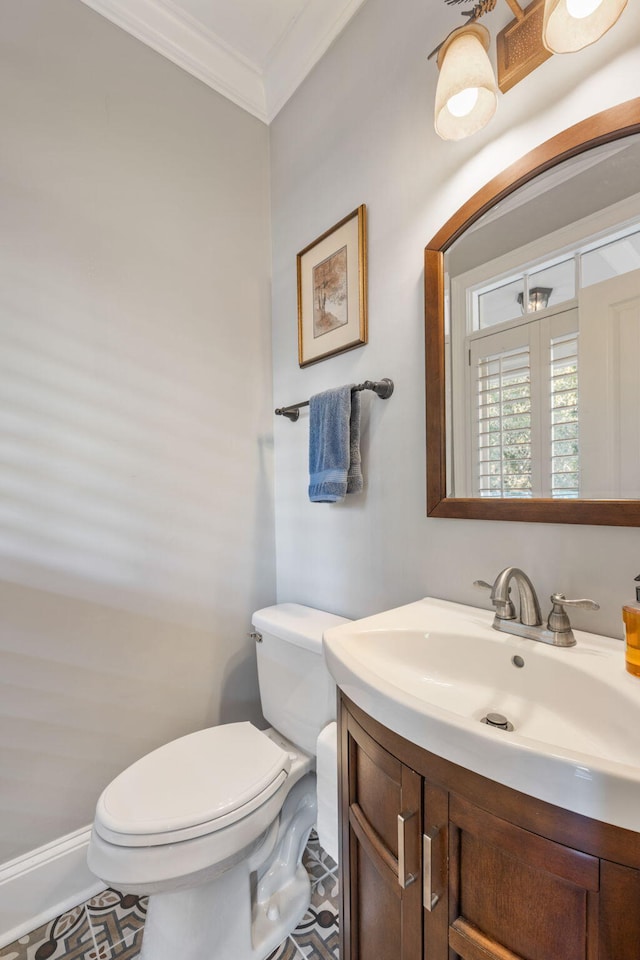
x: 570, y: 25
x: 466, y: 96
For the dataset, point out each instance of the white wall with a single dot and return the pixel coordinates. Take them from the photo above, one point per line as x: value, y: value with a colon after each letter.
x: 360, y: 130
x: 136, y: 505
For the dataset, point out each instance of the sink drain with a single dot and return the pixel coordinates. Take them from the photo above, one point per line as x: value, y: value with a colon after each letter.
x: 497, y: 720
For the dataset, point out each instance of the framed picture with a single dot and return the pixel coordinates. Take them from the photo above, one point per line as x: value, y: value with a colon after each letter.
x: 332, y: 291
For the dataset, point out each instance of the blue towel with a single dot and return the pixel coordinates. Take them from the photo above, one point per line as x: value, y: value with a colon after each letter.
x: 334, y: 445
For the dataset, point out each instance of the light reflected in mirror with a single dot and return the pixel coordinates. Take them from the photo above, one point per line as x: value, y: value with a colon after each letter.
x: 538, y: 342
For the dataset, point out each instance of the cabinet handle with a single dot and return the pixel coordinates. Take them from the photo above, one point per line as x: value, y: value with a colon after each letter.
x: 404, y: 879
x: 429, y: 898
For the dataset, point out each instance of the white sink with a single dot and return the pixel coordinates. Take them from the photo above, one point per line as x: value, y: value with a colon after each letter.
x: 432, y: 670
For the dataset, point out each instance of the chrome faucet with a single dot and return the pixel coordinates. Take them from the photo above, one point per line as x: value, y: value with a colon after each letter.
x: 528, y: 623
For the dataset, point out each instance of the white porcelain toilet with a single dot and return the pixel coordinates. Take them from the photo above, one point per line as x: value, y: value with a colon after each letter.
x: 213, y: 826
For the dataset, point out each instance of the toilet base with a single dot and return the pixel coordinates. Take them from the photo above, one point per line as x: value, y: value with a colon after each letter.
x: 278, y: 917
x: 190, y: 924
x: 248, y: 910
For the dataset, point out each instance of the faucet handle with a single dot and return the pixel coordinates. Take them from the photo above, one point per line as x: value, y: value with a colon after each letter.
x: 558, y: 620
x: 504, y: 611
x: 561, y: 599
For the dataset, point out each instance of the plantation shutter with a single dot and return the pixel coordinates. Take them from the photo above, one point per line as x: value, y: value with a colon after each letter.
x: 565, y: 464
x: 506, y: 428
x: 503, y: 454
x: 523, y: 390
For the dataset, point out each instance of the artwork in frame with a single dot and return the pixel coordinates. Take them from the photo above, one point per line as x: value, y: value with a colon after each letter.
x: 332, y: 290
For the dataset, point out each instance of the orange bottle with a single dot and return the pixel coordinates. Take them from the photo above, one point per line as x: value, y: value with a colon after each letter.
x: 631, y: 617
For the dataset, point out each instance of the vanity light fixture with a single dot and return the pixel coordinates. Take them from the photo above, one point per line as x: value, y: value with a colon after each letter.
x: 466, y: 95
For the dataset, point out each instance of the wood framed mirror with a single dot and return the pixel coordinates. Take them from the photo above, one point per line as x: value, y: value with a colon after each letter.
x: 467, y: 479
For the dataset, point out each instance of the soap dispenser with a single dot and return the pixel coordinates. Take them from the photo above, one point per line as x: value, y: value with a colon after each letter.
x: 631, y: 617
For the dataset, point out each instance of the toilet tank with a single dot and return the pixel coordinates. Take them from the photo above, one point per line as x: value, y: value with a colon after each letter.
x: 297, y: 692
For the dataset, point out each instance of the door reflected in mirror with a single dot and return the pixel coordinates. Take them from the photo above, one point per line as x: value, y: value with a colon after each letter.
x: 533, y: 336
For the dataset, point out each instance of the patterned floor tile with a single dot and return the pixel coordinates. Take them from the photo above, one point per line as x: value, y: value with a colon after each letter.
x: 286, y: 951
x: 68, y: 936
x: 316, y: 936
x: 318, y: 855
x: 117, y: 924
x: 326, y: 889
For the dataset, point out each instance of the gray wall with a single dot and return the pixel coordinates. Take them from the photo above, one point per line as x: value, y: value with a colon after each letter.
x: 136, y: 503
x: 136, y: 491
x: 360, y: 130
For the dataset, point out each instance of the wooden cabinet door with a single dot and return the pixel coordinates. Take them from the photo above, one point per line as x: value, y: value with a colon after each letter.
x: 619, y: 912
x: 516, y: 896
x: 382, y: 830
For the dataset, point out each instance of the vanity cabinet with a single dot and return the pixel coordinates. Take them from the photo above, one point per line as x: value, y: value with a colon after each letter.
x: 438, y: 863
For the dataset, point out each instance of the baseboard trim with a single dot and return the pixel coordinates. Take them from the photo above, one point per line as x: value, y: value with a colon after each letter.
x: 42, y: 884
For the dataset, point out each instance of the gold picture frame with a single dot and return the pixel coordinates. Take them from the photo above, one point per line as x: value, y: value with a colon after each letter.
x: 332, y: 290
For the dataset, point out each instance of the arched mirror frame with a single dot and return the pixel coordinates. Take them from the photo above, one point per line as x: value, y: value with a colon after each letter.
x: 612, y: 124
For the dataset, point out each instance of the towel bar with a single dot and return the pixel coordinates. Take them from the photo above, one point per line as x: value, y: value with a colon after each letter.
x: 383, y: 388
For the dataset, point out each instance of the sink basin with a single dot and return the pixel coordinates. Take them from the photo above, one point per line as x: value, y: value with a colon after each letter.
x: 432, y: 670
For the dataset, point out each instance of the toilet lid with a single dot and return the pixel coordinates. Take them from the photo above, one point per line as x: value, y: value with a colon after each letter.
x: 192, y: 786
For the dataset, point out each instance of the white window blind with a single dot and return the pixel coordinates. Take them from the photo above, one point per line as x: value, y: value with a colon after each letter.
x: 504, y: 424
x: 565, y: 463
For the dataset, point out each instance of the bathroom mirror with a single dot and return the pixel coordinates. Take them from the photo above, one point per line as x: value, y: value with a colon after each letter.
x: 532, y: 303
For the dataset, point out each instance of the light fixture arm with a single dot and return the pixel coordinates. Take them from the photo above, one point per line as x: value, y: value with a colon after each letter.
x: 486, y: 6
x: 516, y: 9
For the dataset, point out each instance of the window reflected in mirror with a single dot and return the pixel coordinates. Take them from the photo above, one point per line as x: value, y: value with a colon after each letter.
x: 542, y: 337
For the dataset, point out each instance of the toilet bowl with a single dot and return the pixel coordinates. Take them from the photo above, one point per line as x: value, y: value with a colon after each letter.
x: 212, y: 826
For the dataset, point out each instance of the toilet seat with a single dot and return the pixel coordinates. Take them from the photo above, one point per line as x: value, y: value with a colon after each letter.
x: 192, y: 786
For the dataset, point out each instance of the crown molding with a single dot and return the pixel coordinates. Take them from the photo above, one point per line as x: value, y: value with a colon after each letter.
x: 307, y: 40
x: 171, y: 32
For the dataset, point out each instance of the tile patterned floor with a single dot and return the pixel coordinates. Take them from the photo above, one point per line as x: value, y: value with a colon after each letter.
x: 110, y: 926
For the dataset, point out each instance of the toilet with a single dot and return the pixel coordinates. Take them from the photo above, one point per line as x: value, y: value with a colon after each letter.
x: 213, y: 826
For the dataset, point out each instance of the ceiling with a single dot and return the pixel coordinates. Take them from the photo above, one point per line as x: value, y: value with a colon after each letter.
x: 254, y: 52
